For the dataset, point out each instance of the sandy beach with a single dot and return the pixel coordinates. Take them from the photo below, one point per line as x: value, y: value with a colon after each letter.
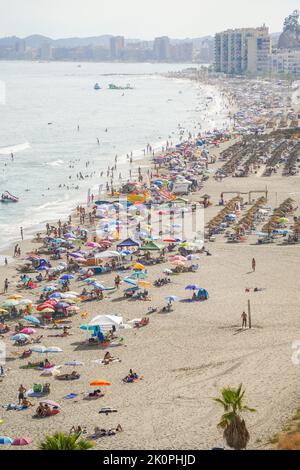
x: 186, y: 356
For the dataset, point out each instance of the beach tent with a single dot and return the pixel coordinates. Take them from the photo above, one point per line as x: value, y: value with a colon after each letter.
x: 202, y: 294
x: 107, y: 254
x: 128, y: 242
x: 106, y: 322
x: 152, y: 246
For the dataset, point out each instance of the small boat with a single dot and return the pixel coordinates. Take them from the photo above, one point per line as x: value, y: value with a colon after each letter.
x: 7, y: 197
x: 112, y: 86
x: 97, y: 86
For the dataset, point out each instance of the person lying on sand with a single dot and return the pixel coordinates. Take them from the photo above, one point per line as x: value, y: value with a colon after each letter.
x: 61, y: 335
x: 131, y: 377
x: 26, y: 403
x: 108, y: 358
x: 96, y: 394
x: 107, y: 432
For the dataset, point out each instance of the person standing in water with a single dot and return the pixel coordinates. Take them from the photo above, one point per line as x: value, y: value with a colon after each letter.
x: 22, y: 234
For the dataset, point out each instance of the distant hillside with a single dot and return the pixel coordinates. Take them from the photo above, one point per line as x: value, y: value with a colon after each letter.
x: 35, y: 41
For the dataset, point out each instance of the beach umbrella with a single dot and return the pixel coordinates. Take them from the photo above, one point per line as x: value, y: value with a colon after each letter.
x: 28, y: 331
x: 178, y: 258
x: 48, y: 310
x: 72, y: 301
x: 66, y: 277
x: 50, y: 403
x: 68, y: 295
x: 43, y: 306
x: 92, y: 244
x: 144, y: 283
x: 138, y: 266
x: 25, y: 302
x: 73, y: 308
x: 105, y: 322
x: 98, y: 285
x: 32, y: 319
x: 90, y: 279
x: 21, y: 441
x: 129, y: 281
x: 74, y: 363
x: 53, y: 349
x: 19, y: 336
x: 39, y: 349
x: 55, y: 295
x: 61, y: 305
x: 49, y: 288
x: 178, y: 263
x: 192, y: 287
x: 4, y: 440
x: 137, y: 275
x: 10, y: 303
x: 108, y: 254
x: 171, y: 298
x: 100, y: 383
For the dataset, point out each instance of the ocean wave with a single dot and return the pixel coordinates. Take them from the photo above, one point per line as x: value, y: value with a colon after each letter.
x: 55, y: 163
x: 15, y: 148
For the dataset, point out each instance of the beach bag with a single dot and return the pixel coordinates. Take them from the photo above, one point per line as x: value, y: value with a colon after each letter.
x: 37, y: 388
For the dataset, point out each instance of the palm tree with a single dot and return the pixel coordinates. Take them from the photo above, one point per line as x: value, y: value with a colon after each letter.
x: 62, y: 441
x: 234, y: 427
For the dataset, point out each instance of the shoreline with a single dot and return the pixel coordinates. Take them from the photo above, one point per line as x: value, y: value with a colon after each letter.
x: 139, y: 159
x: 185, y: 357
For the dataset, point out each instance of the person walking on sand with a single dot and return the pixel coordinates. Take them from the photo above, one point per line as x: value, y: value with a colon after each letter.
x: 253, y: 264
x: 6, y: 283
x: 244, y: 320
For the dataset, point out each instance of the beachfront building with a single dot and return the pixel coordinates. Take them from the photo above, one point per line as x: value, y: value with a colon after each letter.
x: 117, y: 45
x: 285, y: 62
x: 162, y: 48
x: 242, y: 51
x: 46, y: 51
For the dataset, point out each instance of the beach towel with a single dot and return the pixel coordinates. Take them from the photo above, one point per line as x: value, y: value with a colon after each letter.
x: 71, y: 395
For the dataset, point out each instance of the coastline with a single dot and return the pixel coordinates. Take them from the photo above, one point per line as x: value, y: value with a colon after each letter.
x: 187, y: 356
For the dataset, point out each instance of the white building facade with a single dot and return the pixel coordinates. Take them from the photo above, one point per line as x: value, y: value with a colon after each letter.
x: 242, y: 51
x: 286, y: 62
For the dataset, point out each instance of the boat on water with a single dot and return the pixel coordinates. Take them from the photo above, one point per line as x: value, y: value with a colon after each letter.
x: 7, y: 197
x: 97, y: 86
x: 112, y: 86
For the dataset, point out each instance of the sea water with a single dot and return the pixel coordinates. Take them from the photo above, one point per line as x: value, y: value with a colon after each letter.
x: 46, y: 102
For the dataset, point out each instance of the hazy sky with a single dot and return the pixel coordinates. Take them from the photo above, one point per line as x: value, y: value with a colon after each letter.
x: 138, y: 18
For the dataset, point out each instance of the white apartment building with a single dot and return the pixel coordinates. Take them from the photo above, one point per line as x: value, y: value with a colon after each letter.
x: 285, y: 62
x: 240, y: 51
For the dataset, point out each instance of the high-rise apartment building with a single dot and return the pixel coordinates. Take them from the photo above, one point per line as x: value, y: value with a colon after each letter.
x: 162, y: 48
x: 117, y: 45
x: 240, y: 51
